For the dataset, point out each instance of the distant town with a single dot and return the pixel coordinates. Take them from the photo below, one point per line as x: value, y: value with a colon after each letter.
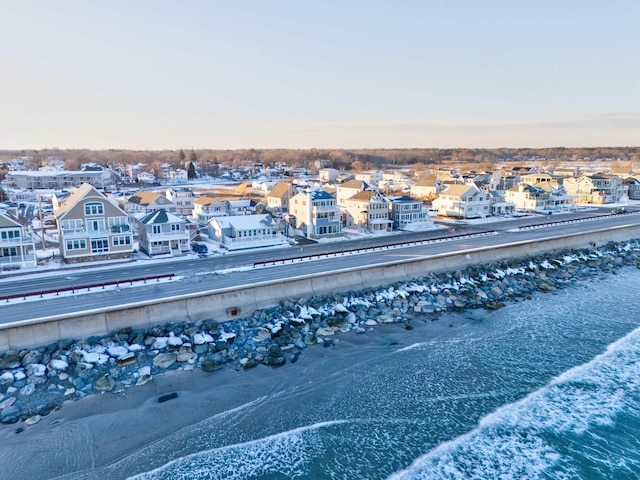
x: 84, y: 206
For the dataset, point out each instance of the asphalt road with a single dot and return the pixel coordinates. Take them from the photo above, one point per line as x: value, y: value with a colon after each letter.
x: 196, y: 278
x: 78, y: 276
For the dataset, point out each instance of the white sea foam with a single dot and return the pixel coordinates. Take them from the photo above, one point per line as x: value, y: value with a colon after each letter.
x: 511, y: 442
x: 285, y: 453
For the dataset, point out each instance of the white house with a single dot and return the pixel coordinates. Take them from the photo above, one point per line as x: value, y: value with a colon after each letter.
x: 236, y: 232
x: 17, y: 249
x: 183, y: 198
x: 179, y: 176
x: 462, y: 201
x: 316, y: 213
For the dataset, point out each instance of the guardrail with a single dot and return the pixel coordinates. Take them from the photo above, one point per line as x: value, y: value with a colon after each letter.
x: 577, y: 220
x: 316, y: 256
x: 78, y: 289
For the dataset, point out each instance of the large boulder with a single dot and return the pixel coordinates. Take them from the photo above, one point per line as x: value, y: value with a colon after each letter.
x: 164, y: 360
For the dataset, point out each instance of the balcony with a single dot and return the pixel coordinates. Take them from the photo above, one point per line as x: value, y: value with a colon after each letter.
x: 14, y: 242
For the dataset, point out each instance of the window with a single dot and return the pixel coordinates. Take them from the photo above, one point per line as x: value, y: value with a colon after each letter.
x: 75, y: 224
x: 10, y: 234
x: 117, y: 221
x: 94, y: 208
x: 95, y: 225
x: 99, y: 245
x: 157, y: 228
x: 124, y: 240
x: 175, y: 227
x: 76, y: 244
x: 9, y: 252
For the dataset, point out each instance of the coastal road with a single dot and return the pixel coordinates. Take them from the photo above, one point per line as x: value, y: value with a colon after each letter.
x: 71, y: 277
x: 204, y: 281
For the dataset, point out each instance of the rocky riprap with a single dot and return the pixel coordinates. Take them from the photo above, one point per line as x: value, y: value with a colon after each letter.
x: 33, y: 382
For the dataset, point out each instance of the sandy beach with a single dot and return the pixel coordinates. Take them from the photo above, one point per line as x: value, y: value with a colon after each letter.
x: 87, y: 436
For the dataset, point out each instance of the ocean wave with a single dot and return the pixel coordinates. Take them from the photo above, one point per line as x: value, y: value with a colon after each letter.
x: 532, y: 438
x: 284, y: 453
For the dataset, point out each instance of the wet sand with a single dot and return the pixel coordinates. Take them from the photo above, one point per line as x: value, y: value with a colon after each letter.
x: 87, y: 436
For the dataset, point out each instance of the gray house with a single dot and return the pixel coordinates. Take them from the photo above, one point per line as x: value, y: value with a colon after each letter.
x: 161, y: 232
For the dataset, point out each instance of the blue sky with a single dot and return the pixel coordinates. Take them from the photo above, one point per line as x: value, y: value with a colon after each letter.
x: 319, y: 74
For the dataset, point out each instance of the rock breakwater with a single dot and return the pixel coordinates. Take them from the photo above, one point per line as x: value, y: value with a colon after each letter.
x: 33, y: 382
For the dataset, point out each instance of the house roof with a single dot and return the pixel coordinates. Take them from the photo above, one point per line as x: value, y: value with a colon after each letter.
x: 160, y: 216
x: 144, y: 198
x: 404, y: 199
x: 321, y: 195
x: 244, y: 222
x: 363, y: 196
x: 425, y: 183
x: 527, y: 188
x: 206, y: 200
x: 280, y: 190
x: 459, y: 190
x: 8, y: 220
x: 82, y: 191
x: 359, y: 184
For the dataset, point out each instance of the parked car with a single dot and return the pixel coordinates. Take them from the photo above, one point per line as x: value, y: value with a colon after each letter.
x: 200, y: 248
x: 618, y: 211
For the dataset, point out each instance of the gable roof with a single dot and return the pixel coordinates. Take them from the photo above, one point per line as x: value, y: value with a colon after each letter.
x: 145, y: 198
x: 364, y: 196
x: 160, y: 216
x: 8, y: 220
x: 84, y: 190
x: 206, y: 200
x: 460, y: 190
x: 280, y: 190
x: 359, y: 184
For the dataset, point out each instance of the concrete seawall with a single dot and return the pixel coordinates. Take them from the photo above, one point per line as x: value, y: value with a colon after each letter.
x: 228, y: 303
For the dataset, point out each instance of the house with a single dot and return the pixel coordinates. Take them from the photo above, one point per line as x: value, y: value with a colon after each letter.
x: 205, y: 208
x: 368, y: 210
x: 597, y: 189
x: 146, y: 177
x: 633, y: 187
x: 244, y: 206
x: 183, y: 198
x: 328, y: 174
x: 236, y: 232
x: 497, y: 203
x: 373, y: 178
x: 278, y: 197
x: 559, y: 199
x: 179, y: 176
x: 91, y: 227
x: 462, y: 201
x: 406, y: 213
x: 17, y: 249
x: 316, y: 213
x: 528, y: 197
x: 162, y: 232
x: 147, y: 202
x: 347, y: 189
x: 52, y: 180
x: 426, y: 189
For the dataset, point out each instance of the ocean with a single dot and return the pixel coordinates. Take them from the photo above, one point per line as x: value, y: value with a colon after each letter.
x: 547, y: 388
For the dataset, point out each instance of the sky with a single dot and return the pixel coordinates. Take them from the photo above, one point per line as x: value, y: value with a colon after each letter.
x: 304, y: 74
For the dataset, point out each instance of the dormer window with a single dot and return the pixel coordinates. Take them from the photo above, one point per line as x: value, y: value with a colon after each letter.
x: 94, y: 208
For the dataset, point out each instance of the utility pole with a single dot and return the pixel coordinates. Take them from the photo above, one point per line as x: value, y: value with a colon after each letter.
x: 41, y: 218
